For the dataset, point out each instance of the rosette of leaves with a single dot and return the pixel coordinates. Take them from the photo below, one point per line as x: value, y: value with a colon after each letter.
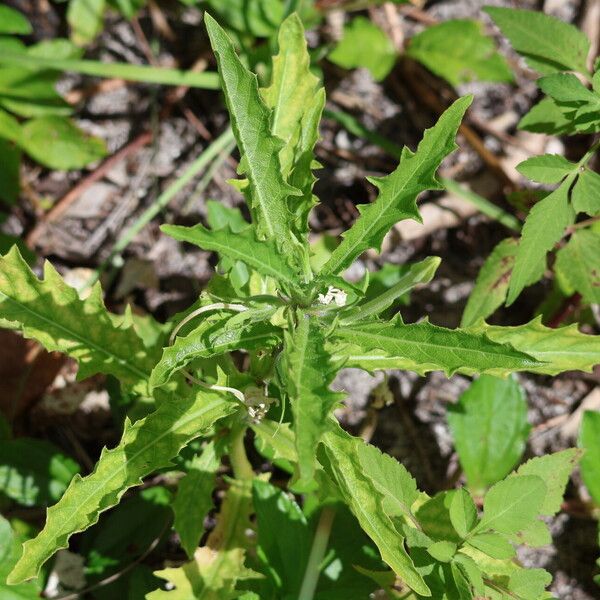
x: 564, y: 221
x: 363, y: 524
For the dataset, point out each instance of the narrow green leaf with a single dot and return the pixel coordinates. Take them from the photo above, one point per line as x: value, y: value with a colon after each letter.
x: 511, y: 504
x: 146, y: 445
x: 96, y: 68
x: 307, y: 372
x: 471, y: 571
x: 268, y: 191
x: 12, y: 21
x: 194, y: 498
x: 490, y: 429
x: 463, y: 512
x: 58, y: 143
x: 554, y: 470
x: 341, y: 461
x: 557, y: 349
x: 51, y: 312
x: 398, y: 191
x: 492, y: 282
x: 216, y: 335
x: 586, y: 193
x: 460, y: 52
x: 10, y: 158
x: 547, y: 168
x: 360, y: 34
x: 578, y: 263
x: 544, y: 226
x: 10, y: 129
x: 589, y: 440
x: 418, y: 273
x: 565, y: 88
x: 423, y: 347
x: 492, y: 544
x: 262, y: 256
x: 296, y: 99
x: 547, y: 43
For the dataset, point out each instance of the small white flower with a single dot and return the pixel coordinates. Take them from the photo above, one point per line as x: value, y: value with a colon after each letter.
x: 339, y: 297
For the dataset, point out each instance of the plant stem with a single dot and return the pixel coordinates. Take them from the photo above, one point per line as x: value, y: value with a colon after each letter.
x: 242, y: 469
x: 146, y: 74
x: 317, y: 552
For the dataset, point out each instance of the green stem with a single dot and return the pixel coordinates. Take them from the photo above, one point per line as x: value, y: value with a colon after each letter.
x: 317, y: 552
x: 242, y: 469
x: 146, y: 74
x: 484, y: 206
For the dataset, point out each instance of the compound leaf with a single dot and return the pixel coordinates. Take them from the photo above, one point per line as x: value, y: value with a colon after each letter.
x: 547, y: 43
x: 578, y: 263
x: 554, y: 470
x: 544, y: 226
x: 512, y: 504
x: 547, y: 168
x: 341, y: 460
x: 586, y: 193
x: 145, y: 446
x: 51, y: 312
x: 398, y: 191
x: 492, y: 282
x: 459, y: 52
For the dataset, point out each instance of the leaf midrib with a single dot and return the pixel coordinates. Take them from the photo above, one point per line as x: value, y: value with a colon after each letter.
x: 78, y: 337
x: 180, y: 423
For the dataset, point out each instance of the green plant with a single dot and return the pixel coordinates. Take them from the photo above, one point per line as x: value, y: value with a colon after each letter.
x: 563, y: 222
x: 297, y: 325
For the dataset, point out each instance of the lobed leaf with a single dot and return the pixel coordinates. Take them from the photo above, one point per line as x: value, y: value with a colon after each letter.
x: 341, y: 461
x: 244, y: 246
x: 307, y: 371
x: 145, y: 446
x: 216, y: 335
x: 51, y: 312
x: 268, y: 191
x: 423, y: 347
x: 296, y: 100
x: 557, y: 349
x: 398, y: 191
